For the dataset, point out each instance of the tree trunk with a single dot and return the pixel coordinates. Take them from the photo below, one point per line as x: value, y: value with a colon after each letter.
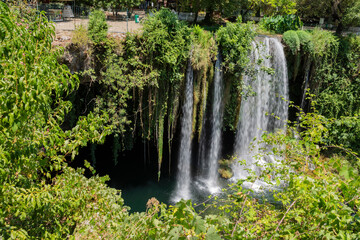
x: 244, y: 15
x: 337, y: 16
x: 258, y: 13
x: 196, y: 8
x: 339, y: 28
x: 196, y: 16
x: 209, y: 14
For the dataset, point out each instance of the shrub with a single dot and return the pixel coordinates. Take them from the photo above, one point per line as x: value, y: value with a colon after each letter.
x: 97, y: 26
x: 281, y: 24
x: 292, y: 40
x: 325, y: 43
x: 314, y: 197
x: 235, y: 43
x: 305, y: 41
x: 204, y: 48
x: 80, y: 36
x: 345, y: 132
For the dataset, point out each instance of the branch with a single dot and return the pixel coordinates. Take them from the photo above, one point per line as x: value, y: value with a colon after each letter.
x: 354, y: 198
x: 238, y: 221
x: 277, y: 228
x: 344, y: 149
x: 242, y: 208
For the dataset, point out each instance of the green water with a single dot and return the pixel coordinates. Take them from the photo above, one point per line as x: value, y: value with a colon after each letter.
x: 137, y: 196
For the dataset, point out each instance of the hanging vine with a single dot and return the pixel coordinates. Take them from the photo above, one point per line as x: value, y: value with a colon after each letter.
x: 204, y: 51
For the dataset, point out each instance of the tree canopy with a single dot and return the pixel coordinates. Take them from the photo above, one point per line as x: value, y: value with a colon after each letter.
x: 343, y: 12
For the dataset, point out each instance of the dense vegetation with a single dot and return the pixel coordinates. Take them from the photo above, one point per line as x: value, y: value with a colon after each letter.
x: 332, y: 74
x: 341, y: 14
x: 137, y: 84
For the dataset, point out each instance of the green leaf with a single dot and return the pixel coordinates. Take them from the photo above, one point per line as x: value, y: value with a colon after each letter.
x: 211, y: 234
x: 344, y: 172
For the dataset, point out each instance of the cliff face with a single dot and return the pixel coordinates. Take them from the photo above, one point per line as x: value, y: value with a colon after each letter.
x: 78, y: 59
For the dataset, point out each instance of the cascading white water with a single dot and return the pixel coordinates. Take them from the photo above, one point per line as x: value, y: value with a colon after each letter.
x: 183, y: 178
x: 216, y: 124
x: 265, y: 97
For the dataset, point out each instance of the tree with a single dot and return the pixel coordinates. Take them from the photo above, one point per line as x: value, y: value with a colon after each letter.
x: 273, y: 7
x: 343, y: 12
x: 265, y: 7
x: 34, y: 146
x: 119, y: 4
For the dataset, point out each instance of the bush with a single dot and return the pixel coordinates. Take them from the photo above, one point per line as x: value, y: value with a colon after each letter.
x: 204, y: 48
x: 345, y: 132
x: 97, y: 26
x: 292, y: 40
x: 325, y: 43
x: 281, y: 24
x: 305, y: 41
x: 167, y: 39
x: 71, y: 204
x: 313, y: 197
x: 235, y: 43
x: 299, y: 40
x: 80, y: 36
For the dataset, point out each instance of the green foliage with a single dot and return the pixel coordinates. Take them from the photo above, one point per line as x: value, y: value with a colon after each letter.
x: 204, y: 48
x: 291, y: 39
x: 345, y: 131
x: 234, y: 41
x: 34, y: 147
x: 32, y: 107
x: 97, y: 26
x: 305, y: 39
x: 151, y: 65
x: 274, y: 7
x: 339, y: 78
x: 325, y: 44
x: 71, y: 203
x: 225, y: 173
x: 204, y: 51
x: 174, y: 222
x: 44, y: 198
x: 121, y: 4
x: 313, y: 196
x: 80, y: 36
x: 245, y: 7
x: 352, y: 14
x: 299, y: 40
x: 281, y: 24
x: 343, y: 13
x: 5, y: 23
x: 334, y: 79
x: 129, y: 4
x: 167, y: 40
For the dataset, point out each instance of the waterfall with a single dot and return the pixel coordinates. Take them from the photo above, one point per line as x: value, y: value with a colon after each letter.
x: 263, y: 97
x: 203, y: 147
x: 210, y: 148
x: 216, y: 124
x: 182, y: 189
